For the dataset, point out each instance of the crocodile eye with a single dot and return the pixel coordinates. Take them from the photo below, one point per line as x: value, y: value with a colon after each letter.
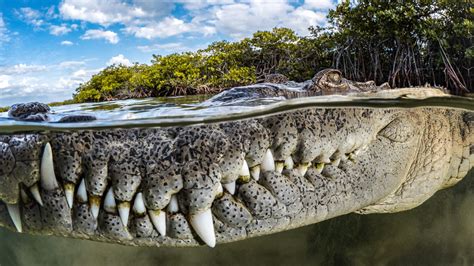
x: 398, y: 130
x: 335, y: 78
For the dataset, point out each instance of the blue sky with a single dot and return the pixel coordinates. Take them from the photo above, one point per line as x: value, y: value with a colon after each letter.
x: 47, y: 48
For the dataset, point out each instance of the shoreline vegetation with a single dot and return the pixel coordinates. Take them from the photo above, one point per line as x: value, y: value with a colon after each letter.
x: 408, y: 43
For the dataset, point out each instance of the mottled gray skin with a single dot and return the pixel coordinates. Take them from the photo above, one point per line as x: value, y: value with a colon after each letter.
x: 325, y: 82
x: 362, y: 160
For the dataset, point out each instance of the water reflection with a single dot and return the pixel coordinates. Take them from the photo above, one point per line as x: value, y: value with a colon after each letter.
x: 440, y: 232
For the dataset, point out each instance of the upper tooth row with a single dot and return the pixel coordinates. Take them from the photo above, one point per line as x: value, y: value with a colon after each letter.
x: 202, y: 222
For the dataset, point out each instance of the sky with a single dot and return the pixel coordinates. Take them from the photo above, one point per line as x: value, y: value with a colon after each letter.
x: 47, y: 48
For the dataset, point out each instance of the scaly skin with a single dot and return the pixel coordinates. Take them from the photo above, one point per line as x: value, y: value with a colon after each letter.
x: 315, y: 163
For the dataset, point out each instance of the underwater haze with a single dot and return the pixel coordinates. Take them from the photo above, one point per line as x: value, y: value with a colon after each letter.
x: 439, y: 232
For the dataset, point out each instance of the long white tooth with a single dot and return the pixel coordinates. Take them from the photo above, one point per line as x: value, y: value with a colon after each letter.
x: 268, y: 163
x: 48, y: 178
x: 109, y: 202
x: 14, y: 211
x: 124, y: 211
x: 220, y: 190
x: 303, y: 167
x: 158, y: 218
x: 279, y: 165
x: 138, y: 204
x: 203, y: 225
x: 289, y: 164
x: 94, y: 202
x: 230, y: 187
x: 36, y: 194
x: 255, y: 172
x: 244, y: 171
x: 69, y: 191
x: 82, y: 192
x: 173, y: 205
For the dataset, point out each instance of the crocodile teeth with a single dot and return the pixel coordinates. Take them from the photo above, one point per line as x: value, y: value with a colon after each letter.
x: 124, y: 211
x: 82, y: 192
x: 303, y: 167
x: 109, y: 202
x: 268, y: 163
x: 69, y: 191
x: 244, y: 171
x: 94, y: 201
x: 158, y: 218
x: 173, y: 205
x: 279, y: 165
x: 48, y: 178
x: 255, y: 172
x: 319, y: 167
x: 230, y: 187
x: 220, y: 190
x: 14, y: 211
x: 289, y: 164
x: 139, y: 205
x: 204, y: 226
x: 36, y: 194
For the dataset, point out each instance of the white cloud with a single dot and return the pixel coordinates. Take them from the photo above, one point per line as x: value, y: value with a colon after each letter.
x: 242, y: 19
x: 107, y: 12
x: 319, y: 4
x: 20, y: 69
x: 51, y: 13
x: 72, y: 81
x: 59, y: 30
x: 67, y: 43
x: 108, y: 35
x: 30, y: 16
x: 119, y: 60
x: 300, y: 20
x: 3, y: 30
x: 237, y: 18
x: 200, y: 4
x: 167, y: 27
x: 175, y: 47
x: 71, y: 64
x: 54, y: 84
x: 5, y: 81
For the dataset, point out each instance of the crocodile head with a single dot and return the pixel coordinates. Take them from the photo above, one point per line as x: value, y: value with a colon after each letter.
x: 230, y: 180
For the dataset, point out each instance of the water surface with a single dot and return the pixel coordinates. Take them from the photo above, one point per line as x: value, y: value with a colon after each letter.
x: 181, y: 111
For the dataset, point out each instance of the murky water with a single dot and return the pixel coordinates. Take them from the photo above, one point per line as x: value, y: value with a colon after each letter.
x: 440, y: 232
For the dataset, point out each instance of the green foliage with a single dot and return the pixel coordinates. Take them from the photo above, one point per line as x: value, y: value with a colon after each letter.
x: 404, y: 42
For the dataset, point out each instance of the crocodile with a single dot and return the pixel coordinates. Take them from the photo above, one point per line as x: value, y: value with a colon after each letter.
x: 229, y: 180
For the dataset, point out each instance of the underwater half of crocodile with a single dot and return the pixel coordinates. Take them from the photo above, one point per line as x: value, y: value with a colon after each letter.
x: 230, y: 180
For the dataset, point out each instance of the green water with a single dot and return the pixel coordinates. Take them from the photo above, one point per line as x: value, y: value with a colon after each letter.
x: 439, y: 232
